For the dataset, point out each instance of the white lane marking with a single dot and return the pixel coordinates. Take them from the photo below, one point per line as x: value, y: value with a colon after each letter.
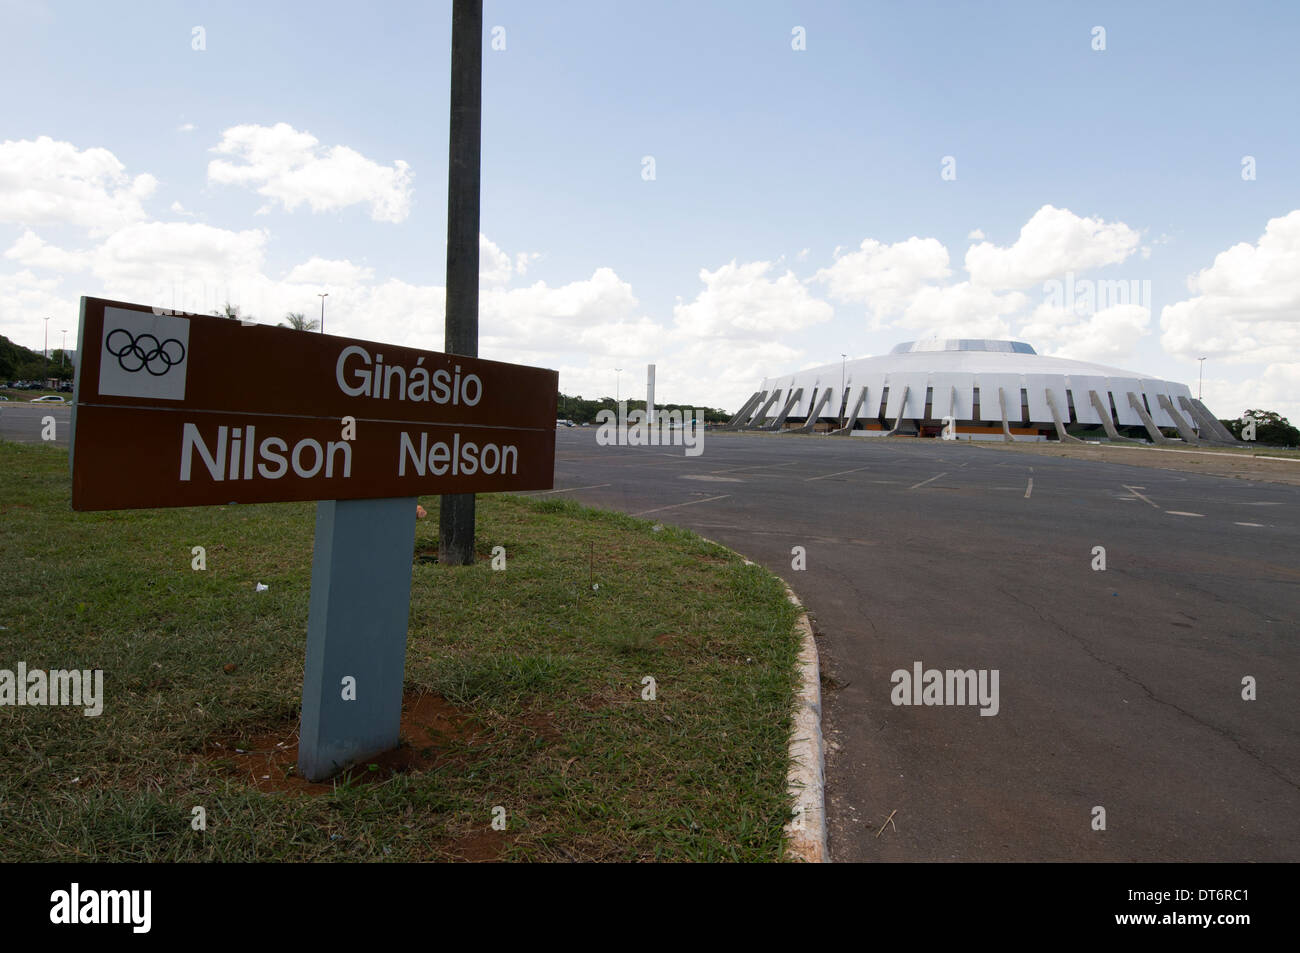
x: 931, y: 480
x: 673, y: 457
x: 594, y: 486
x: 1137, y: 494
x: 688, y: 503
x: 1029, y: 489
x: 841, y: 473
x: 1270, y: 503
x: 1249, y: 524
x: 1181, y: 513
x: 756, y: 466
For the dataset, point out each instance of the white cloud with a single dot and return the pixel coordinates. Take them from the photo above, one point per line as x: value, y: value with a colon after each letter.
x: 1052, y: 242
x: 523, y: 259
x: 291, y: 167
x: 494, y: 267
x: 961, y: 310
x: 34, y: 252
x: 1245, y: 309
x: 597, y: 316
x: 739, y: 301
x: 25, y: 302
x: 975, y: 235
x: 184, y: 266
x: 163, y: 251
x: 324, y: 272
x: 1105, y: 336
x: 1246, y: 306
x: 186, y: 127
x: 396, y: 311
x: 44, y: 182
x: 725, y: 376
x: 885, y: 277
x: 1276, y: 389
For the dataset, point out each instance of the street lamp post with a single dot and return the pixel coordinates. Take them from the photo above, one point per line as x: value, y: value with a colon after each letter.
x: 47, y: 351
x: 322, y: 310
x: 617, y: 372
x: 1200, y: 385
x: 63, y: 354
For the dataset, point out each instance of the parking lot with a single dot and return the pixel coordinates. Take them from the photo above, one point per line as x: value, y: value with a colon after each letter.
x: 22, y: 422
x: 1120, y: 688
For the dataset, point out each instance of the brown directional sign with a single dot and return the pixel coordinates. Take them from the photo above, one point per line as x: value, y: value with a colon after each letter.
x: 189, y: 410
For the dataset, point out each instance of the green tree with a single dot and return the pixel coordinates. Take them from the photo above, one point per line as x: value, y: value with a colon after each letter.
x: 1271, y: 428
x: 231, y: 311
x: 582, y: 411
x: 299, y: 321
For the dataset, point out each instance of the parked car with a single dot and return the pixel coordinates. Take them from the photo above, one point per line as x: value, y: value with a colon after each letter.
x: 49, y: 399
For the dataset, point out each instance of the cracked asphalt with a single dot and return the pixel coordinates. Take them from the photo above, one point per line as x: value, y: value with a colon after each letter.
x: 1119, y: 689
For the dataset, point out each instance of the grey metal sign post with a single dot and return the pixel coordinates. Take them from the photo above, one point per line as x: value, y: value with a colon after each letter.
x: 356, y: 632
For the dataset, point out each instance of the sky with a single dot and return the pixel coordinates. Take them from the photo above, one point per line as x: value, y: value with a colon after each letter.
x: 728, y: 190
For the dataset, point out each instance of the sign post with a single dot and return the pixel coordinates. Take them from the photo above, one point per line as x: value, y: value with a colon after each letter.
x: 189, y: 410
x: 356, y: 632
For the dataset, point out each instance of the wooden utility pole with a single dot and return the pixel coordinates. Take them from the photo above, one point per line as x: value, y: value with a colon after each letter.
x: 456, y: 529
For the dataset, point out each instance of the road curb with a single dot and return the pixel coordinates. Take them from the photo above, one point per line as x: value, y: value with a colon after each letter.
x: 806, y: 831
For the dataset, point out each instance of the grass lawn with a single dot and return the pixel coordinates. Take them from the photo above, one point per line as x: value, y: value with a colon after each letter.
x: 523, y: 686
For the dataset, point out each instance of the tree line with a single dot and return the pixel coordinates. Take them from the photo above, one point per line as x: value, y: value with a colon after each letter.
x: 17, y: 363
x: 583, y: 411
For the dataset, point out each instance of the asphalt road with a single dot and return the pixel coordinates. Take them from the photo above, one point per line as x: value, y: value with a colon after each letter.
x: 21, y: 421
x: 1119, y: 689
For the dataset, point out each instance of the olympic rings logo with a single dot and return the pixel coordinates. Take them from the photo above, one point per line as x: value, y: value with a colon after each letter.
x: 145, y: 352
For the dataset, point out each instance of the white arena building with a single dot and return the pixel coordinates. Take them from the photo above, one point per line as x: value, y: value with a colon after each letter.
x: 987, y: 390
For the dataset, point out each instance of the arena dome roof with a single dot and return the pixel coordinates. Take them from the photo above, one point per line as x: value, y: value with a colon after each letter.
x: 966, y: 355
x: 962, y: 344
x: 987, y: 385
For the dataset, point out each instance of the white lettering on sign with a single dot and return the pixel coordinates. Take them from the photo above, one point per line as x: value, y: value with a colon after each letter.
x: 366, y: 378
x: 468, y: 457
x: 237, y: 450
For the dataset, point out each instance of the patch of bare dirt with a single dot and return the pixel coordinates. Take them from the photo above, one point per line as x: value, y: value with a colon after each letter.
x: 268, y: 760
x: 481, y: 846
